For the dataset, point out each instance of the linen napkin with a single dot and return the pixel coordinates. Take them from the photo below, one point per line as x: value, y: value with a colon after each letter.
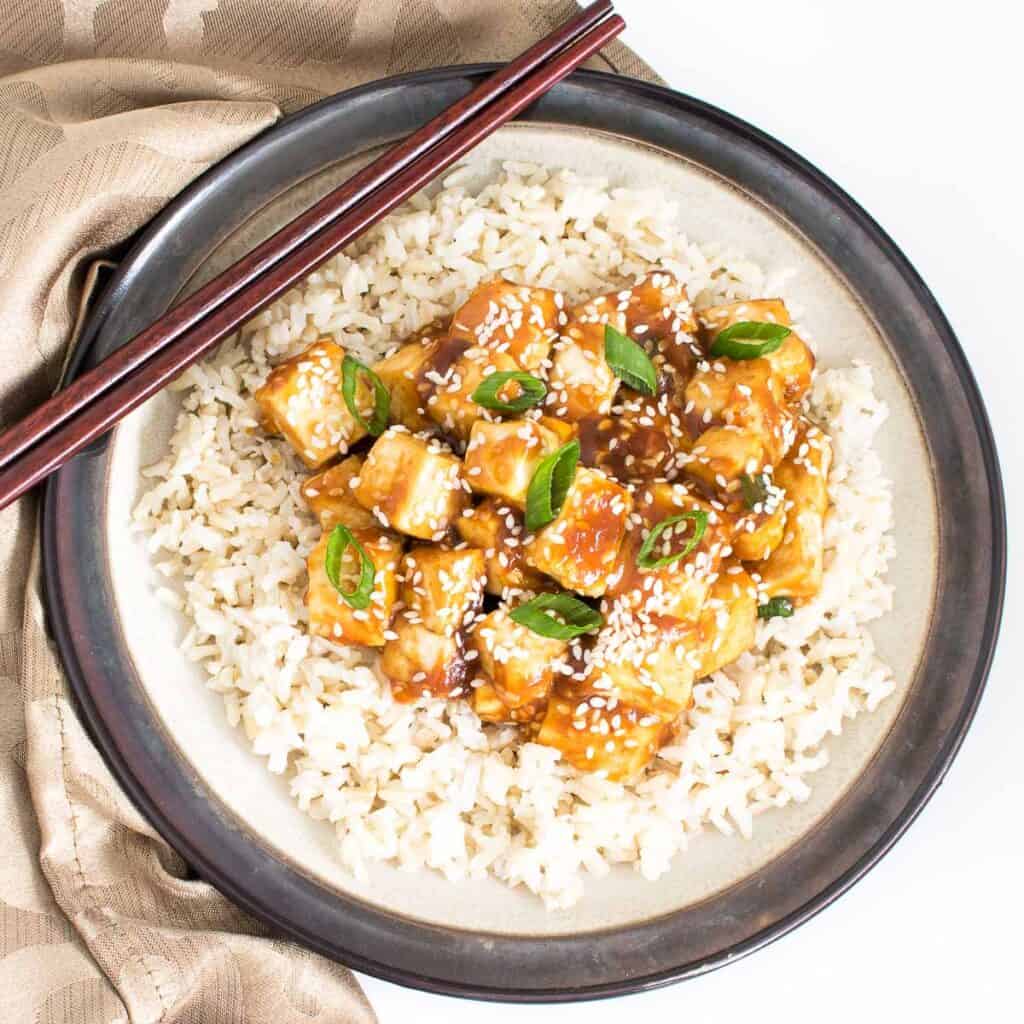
x: 108, y: 108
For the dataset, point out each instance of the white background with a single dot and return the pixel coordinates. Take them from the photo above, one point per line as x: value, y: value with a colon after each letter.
x: 916, y: 110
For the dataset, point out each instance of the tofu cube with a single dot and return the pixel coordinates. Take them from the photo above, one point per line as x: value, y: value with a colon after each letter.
x: 450, y: 404
x: 329, y: 496
x: 758, y: 534
x: 498, y: 530
x: 301, y: 400
x: 723, y: 454
x: 411, y: 484
x: 513, y: 319
x: 330, y: 616
x: 728, y: 621
x: 618, y: 742
x: 501, y: 458
x: 521, y: 665
x: 421, y: 663
x: 657, y: 308
x: 579, y: 548
x: 402, y: 374
x: 490, y: 708
x: 441, y: 587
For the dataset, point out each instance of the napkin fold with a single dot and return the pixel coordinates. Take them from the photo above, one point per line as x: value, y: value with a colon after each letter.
x: 108, y: 108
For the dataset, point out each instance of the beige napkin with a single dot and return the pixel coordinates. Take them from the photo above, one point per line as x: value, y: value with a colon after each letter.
x: 108, y: 108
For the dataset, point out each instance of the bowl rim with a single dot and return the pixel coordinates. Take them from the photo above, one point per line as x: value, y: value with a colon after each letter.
x: 63, y: 593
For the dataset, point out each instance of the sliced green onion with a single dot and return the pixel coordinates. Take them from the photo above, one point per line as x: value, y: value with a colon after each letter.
x: 776, y: 608
x: 350, y: 370
x: 755, y: 489
x: 629, y: 362
x: 550, y: 485
x: 577, y: 616
x: 531, y: 391
x: 749, y: 339
x: 644, y: 558
x: 340, y: 539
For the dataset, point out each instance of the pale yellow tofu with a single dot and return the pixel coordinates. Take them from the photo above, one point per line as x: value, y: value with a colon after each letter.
x: 411, y: 484
x: 619, y: 742
x: 792, y: 363
x: 329, y: 496
x: 521, y: 665
x: 442, y: 588
x: 421, y: 663
x: 329, y: 614
x: 728, y: 622
x: 498, y: 530
x: 301, y: 400
x: 450, y: 405
x: 759, y: 534
x: 402, y: 374
x: 794, y: 569
x: 501, y: 458
x: 489, y: 707
x: 579, y: 548
x: 511, y: 319
x: 674, y: 593
x: 580, y: 382
x: 722, y: 455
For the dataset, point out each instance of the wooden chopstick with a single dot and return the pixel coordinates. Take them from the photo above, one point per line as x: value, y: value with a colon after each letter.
x: 82, y: 392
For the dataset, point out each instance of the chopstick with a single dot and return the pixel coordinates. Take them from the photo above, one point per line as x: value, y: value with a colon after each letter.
x: 46, y: 438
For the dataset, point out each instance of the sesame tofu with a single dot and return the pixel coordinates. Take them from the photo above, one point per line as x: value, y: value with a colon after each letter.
x: 498, y: 530
x: 330, y: 615
x: 792, y: 363
x: 301, y: 400
x: 794, y: 569
x: 728, y: 621
x: 329, y: 496
x: 511, y: 319
x: 501, y: 458
x: 421, y: 663
x: 450, y: 404
x: 758, y: 534
x: 490, y: 708
x: 579, y: 548
x: 443, y: 588
x: 402, y: 374
x: 521, y: 665
x: 411, y: 484
x: 618, y: 741
x: 722, y: 455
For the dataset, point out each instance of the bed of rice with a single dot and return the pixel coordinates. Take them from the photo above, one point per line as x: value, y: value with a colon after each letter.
x: 427, y: 786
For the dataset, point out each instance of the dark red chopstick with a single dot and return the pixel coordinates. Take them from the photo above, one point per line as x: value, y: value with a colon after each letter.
x: 73, y: 399
x: 130, y: 391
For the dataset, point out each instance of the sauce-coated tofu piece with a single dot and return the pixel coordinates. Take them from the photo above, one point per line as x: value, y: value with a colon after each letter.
x: 794, y: 569
x: 512, y: 319
x: 450, y: 405
x: 301, y: 400
x: 758, y: 534
x: 442, y: 588
x: 489, y: 708
x: 402, y: 374
x: 658, y: 312
x: 722, y: 455
x: 411, y: 484
x: 521, y: 665
x: 421, y: 663
x: 792, y: 362
x: 618, y: 741
x: 580, y: 546
x: 329, y: 496
x: 674, y: 592
x: 329, y: 614
x: 501, y: 458
x: 498, y: 530
x: 728, y: 623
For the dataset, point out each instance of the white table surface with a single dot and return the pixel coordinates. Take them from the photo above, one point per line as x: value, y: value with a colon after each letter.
x: 914, y: 110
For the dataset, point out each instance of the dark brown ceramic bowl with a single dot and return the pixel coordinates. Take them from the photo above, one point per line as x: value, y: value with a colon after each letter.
x: 165, y: 735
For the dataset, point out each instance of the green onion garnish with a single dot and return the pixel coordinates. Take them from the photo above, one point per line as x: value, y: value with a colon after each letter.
x: 350, y: 370
x: 749, y: 339
x: 755, y: 489
x: 579, y: 617
x: 341, y: 537
x: 700, y: 522
x: 550, y: 485
x: 776, y: 608
x: 531, y: 391
x: 629, y: 362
